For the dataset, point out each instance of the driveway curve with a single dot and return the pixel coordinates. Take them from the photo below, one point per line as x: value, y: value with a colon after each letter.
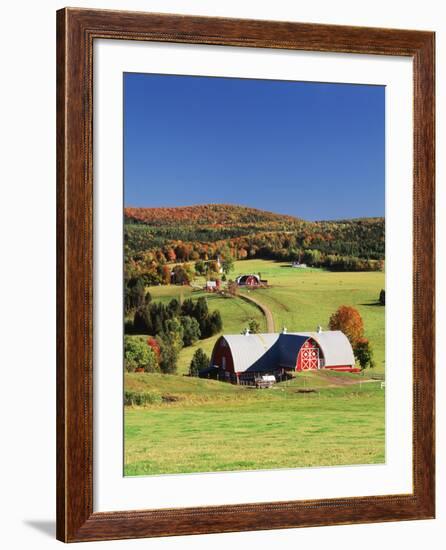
x: 265, y: 310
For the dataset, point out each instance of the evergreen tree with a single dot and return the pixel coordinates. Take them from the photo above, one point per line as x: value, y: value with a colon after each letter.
x: 191, y: 330
x: 148, y: 298
x: 187, y: 308
x: 382, y: 297
x: 199, y: 362
x: 158, y: 327
x: 201, y: 314
x: 215, y: 323
x: 134, y: 294
x: 170, y: 349
x: 142, y: 323
x: 174, y: 331
x: 364, y: 353
x: 174, y: 308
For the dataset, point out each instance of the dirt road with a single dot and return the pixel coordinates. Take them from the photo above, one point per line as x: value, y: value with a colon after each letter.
x: 265, y: 310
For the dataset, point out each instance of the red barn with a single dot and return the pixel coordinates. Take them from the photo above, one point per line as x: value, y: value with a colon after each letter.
x: 243, y: 358
x: 248, y: 280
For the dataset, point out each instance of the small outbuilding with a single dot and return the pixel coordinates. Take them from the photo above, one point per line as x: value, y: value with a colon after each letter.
x: 243, y: 358
x: 212, y: 286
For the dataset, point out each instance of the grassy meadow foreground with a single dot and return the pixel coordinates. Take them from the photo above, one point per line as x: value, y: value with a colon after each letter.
x: 195, y: 425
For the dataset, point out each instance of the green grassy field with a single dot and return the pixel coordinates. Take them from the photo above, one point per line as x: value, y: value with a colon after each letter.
x: 299, y: 299
x: 206, y: 425
x: 302, y: 299
x: 203, y: 425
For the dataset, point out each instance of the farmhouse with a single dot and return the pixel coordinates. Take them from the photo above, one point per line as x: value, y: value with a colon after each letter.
x: 212, y: 286
x: 245, y: 358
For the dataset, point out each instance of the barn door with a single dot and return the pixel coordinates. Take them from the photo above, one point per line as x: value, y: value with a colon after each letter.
x: 309, y: 357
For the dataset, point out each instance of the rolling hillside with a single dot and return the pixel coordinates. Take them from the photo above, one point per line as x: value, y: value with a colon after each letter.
x: 203, y: 232
x: 204, y: 214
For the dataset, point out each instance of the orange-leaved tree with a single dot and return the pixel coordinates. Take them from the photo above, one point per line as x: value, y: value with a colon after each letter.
x: 349, y: 321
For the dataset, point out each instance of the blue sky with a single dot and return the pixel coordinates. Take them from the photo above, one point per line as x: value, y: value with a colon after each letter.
x: 311, y: 150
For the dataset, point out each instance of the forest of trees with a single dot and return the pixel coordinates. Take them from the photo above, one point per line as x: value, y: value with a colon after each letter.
x: 153, y: 238
x: 169, y: 328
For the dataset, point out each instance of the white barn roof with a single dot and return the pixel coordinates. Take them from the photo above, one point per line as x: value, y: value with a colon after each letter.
x: 252, y: 351
x: 335, y: 346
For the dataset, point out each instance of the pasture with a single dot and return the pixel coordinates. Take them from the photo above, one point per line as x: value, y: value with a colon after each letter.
x: 205, y: 425
x: 196, y: 425
x: 299, y: 299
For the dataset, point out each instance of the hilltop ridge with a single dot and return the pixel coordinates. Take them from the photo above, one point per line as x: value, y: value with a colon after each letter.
x: 155, y: 236
x: 204, y: 214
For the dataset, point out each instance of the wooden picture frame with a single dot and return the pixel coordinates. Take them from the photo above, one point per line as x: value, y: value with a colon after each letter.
x: 76, y: 31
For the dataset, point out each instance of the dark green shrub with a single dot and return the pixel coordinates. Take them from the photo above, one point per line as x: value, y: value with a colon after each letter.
x: 382, y: 297
x: 199, y: 362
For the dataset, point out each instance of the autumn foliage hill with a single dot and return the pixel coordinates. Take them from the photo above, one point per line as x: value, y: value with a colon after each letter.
x: 156, y: 236
x: 204, y: 214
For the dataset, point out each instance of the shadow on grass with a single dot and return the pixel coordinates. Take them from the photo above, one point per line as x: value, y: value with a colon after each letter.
x: 373, y: 304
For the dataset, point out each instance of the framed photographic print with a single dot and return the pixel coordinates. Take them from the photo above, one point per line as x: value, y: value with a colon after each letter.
x: 245, y: 275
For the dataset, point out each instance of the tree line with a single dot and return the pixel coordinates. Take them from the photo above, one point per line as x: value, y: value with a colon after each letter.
x: 170, y: 327
x: 355, y: 245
